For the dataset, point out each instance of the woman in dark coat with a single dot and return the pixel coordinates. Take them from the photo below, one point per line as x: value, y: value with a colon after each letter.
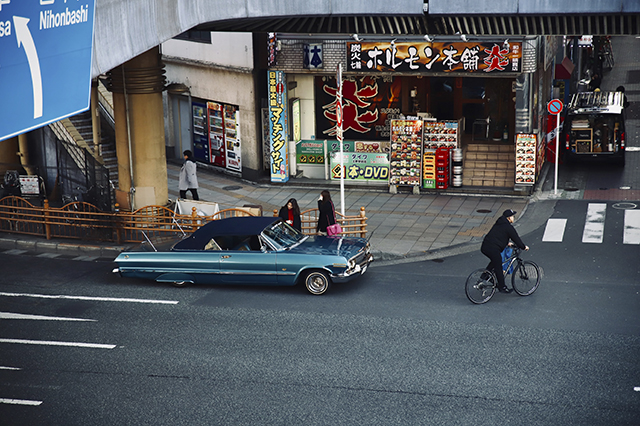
x: 327, y: 213
x: 496, y: 241
x: 290, y: 213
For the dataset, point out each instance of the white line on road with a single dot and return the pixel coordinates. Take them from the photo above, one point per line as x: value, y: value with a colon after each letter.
x: 19, y: 401
x: 54, y: 343
x: 99, y: 299
x: 554, y: 232
x: 631, y: 227
x: 11, y: 315
x: 594, y: 224
x: 10, y: 368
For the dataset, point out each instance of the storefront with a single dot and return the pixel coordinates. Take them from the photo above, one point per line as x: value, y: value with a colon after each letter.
x: 462, y: 92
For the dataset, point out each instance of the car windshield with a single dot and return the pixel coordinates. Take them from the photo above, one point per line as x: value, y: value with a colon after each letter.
x: 284, y: 235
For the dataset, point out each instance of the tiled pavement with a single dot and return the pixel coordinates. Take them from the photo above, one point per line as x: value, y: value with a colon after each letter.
x: 400, y: 225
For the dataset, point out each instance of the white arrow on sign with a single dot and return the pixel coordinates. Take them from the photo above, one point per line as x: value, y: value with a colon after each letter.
x: 24, y: 37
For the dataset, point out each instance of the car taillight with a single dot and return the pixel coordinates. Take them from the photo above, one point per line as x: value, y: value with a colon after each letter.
x: 622, y: 141
x: 567, y: 143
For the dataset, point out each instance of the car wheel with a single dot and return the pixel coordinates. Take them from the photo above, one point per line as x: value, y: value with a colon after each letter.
x: 317, y: 282
x: 180, y: 283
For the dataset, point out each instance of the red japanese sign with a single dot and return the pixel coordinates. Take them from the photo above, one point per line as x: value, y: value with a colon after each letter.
x: 435, y: 57
x: 368, y: 104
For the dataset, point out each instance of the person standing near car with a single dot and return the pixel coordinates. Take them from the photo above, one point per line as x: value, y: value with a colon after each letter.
x: 496, y: 241
x: 326, y: 214
x: 188, y: 180
x: 290, y: 213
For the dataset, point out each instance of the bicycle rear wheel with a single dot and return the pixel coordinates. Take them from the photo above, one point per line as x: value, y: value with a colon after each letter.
x: 525, y: 278
x: 480, y: 286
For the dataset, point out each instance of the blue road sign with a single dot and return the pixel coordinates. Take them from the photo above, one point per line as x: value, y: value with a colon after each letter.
x: 46, y: 50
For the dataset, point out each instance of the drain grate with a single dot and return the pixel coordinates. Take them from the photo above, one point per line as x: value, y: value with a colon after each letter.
x: 231, y: 188
x: 483, y: 211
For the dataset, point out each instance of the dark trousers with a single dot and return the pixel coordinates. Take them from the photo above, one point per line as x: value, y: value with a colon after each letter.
x: 194, y: 193
x: 495, y: 264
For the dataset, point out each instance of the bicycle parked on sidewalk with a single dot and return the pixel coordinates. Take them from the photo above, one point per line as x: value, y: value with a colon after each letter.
x: 481, y: 285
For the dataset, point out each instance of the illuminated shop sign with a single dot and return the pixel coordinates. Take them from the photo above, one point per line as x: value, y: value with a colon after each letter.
x: 278, y: 126
x: 488, y: 57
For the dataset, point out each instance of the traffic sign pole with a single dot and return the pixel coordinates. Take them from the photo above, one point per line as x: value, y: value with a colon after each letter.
x: 339, y: 133
x: 554, y: 107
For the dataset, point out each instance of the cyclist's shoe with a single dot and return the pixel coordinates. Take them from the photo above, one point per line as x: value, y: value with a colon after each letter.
x: 504, y: 290
x: 485, y: 276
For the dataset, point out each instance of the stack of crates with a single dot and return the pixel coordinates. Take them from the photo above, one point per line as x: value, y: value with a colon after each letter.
x: 442, y: 168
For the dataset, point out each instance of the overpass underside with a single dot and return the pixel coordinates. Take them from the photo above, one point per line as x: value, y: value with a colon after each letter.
x: 505, y: 25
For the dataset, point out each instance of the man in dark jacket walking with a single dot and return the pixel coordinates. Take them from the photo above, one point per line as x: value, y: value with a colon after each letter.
x: 497, y: 240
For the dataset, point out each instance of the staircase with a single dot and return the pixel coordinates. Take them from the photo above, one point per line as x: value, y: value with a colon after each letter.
x: 105, y: 152
x: 489, y: 165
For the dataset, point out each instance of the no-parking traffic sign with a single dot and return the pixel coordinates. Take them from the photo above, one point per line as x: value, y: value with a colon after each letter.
x: 554, y: 106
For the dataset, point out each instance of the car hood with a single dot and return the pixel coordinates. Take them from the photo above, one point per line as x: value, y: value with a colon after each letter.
x: 334, y: 246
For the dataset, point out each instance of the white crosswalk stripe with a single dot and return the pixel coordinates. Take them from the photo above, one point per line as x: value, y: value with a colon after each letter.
x: 594, y: 224
x: 593, y: 232
x: 631, y: 227
x: 554, y: 232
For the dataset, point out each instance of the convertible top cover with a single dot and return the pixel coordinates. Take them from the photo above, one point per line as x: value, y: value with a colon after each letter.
x: 230, y: 226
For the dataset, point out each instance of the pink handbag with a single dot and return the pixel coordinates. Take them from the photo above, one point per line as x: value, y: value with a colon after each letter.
x: 334, y: 229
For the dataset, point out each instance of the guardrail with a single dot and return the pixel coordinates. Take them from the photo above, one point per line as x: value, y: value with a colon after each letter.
x: 80, y: 220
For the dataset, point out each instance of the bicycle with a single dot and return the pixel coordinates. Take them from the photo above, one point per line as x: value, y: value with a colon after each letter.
x: 481, y: 284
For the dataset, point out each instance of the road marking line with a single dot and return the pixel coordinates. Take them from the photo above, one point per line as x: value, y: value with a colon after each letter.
x: 98, y: 299
x: 49, y: 255
x: 10, y: 368
x: 54, y: 343
x: 554, y: 232
x: 85, y: 258
x: 14, y: 251
x: 11, y: 315
x: 594, y: 224
x: 631, y: 227
x: 19, y: 401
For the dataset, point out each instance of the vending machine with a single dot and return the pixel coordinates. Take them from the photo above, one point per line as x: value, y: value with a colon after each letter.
x: 217, y: 150
x: 200, y: 132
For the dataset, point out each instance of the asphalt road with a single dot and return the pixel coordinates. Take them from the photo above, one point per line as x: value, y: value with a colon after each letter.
x: 400, y: 346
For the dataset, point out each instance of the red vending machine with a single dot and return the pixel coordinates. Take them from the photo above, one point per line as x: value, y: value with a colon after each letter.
x: 217, y: 149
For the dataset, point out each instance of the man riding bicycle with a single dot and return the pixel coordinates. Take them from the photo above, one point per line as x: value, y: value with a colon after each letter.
x: 496, y: 241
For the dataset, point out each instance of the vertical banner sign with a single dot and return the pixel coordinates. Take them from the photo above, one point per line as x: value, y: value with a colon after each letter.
x: 45, y: 62
x: 278, y: 126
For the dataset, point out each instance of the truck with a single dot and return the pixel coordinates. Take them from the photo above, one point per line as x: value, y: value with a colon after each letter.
x: 594, y: 127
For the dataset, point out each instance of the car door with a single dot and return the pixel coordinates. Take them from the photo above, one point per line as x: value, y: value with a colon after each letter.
x: 248, y: 266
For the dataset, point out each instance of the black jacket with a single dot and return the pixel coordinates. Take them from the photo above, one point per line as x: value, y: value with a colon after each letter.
x: 326, y: 215
x: 284, y: 214
x: 500, y: 234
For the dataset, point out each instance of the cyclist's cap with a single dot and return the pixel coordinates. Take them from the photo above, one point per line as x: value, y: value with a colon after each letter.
x: 509, y: 213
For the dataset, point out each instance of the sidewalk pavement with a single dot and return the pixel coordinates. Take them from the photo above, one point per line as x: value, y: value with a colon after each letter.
x: 402, y: 227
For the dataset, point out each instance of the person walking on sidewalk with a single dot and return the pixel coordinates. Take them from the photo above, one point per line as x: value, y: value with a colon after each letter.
x: 188, y: 180
x: 326, y: 214
x: 290, y: 213
x: 496, y: 241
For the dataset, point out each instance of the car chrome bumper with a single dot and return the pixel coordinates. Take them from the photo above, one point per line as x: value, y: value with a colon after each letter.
x: 359, y: 269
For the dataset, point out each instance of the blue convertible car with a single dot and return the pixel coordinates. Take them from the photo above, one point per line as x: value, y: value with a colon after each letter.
x: 249, y: 250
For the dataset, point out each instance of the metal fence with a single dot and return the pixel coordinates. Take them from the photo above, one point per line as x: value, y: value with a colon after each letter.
x: 81, y: 220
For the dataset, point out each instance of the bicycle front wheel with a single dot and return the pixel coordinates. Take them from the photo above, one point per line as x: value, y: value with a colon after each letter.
x: 525, y: 278
x: 480, y: 286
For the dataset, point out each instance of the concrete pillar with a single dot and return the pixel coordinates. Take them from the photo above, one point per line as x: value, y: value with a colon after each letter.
x: 140, y: 146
